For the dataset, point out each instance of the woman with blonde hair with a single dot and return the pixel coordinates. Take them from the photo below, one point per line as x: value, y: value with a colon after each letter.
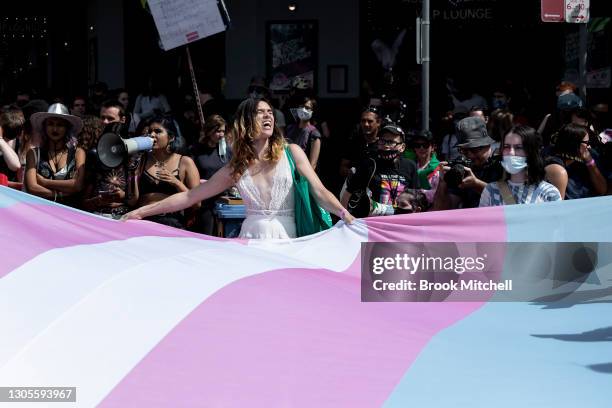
x: 261, y: 170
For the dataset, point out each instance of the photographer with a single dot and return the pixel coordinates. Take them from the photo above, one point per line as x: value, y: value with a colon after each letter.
x: 464, y: 179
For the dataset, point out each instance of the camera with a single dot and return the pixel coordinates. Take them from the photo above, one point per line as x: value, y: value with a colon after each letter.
x: 456, y: 174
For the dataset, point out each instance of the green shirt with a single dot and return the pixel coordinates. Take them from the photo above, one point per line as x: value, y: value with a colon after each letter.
x: 426, y: 171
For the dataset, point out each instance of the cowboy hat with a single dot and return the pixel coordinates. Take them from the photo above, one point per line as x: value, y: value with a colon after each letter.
x: 57, y: 110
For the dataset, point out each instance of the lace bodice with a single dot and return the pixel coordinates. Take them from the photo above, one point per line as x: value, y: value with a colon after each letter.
x: 261, y: 200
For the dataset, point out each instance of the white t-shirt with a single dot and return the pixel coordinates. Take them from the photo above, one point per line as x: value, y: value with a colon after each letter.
x: 146, y: 105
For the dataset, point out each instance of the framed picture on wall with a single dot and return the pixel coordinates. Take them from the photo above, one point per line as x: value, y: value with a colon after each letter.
x: 291, y: 52
x: 337, y: 78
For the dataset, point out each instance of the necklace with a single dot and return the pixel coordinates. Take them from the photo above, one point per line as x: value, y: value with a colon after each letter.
x: 159, y: 164
x: 57, y: 159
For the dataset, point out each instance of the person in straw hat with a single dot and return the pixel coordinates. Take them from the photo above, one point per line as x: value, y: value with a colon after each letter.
x: 56, y: 170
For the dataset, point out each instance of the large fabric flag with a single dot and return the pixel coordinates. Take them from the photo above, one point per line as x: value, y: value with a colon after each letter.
x: 135, y: 314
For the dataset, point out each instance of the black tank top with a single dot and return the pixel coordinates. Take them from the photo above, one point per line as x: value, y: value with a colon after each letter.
x: 151, y: 184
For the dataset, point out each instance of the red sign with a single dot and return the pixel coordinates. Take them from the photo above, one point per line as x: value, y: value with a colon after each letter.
x: 553, y: 11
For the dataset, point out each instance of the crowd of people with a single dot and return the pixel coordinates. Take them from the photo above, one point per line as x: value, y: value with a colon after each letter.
x: 475, y: 157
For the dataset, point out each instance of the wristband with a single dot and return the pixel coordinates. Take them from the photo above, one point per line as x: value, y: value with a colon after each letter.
x: 590, y: 163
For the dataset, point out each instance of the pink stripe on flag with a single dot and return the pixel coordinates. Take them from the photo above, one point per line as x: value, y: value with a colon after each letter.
x: 298, y: 337
x: 291, y: 337
x: 468, y: 225
x: 30, y: 229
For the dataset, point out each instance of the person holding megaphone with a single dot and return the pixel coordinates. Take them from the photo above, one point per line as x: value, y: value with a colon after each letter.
x: 163, y: 172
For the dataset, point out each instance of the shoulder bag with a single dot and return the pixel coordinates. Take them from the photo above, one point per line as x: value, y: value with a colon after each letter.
x: 310, y: 218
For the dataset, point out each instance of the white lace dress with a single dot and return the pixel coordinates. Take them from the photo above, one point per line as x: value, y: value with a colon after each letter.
x: 270, y: 211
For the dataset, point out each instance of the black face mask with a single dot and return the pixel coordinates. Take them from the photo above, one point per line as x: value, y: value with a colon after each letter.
x: 403, y: 210
x: 388, y: 154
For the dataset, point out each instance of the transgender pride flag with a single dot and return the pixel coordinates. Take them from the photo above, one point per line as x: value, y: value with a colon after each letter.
x: 141, y: 315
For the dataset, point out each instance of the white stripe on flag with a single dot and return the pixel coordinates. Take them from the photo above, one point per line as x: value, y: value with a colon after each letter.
x: 85, y: 316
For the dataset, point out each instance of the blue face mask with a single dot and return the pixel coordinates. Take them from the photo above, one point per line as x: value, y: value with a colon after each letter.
x: 499, y: 103
x: 514, y: 164
x: 304, y: 114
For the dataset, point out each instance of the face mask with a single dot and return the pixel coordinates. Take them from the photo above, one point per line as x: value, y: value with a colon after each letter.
x: 514, y: 164
x: 388, y: 154
x: 222, y: 149
x: 499, y: 103
x: 304, y: 114
x: 399, y: 210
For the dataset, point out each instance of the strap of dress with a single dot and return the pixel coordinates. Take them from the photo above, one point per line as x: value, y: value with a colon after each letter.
x: 291, y: 161
x: 507, y: 196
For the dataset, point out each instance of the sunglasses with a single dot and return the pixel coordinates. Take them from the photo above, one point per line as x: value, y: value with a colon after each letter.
x: 421, y: 145
x: 587, y: 143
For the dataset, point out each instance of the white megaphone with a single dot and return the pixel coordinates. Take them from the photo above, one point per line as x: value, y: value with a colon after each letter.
x: 113, y: 150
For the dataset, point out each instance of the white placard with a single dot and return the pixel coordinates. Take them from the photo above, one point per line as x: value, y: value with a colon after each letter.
x: 180, y: 22
x: 577, y: 11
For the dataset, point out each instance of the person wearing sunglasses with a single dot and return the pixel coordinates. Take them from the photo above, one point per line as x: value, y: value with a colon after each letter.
x: 572, y: 167
x: 378, y: 183
x: 479, y: 167
x: 422, y: 151
x: 523, y: 181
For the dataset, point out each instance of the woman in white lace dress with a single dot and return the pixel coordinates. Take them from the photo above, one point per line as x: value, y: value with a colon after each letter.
x: 261, y: 171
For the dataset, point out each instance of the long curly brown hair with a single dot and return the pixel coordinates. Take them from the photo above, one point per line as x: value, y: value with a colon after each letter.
x: 244, y: 129
x: 93, y: 127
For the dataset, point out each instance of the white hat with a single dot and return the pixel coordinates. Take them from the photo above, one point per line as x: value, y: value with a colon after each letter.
x: 57, y: 110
